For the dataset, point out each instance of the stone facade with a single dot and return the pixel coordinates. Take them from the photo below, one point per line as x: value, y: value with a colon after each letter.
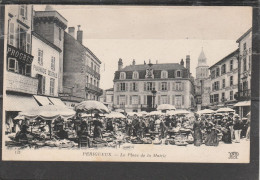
x: 133, y: 86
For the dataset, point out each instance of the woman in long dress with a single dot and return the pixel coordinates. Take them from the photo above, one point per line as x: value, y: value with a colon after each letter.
x: 226, y: 138
x: 212, y: 135
x: 197, y: 133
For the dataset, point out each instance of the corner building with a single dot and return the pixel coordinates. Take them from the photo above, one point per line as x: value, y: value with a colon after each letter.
x: 172, y: 82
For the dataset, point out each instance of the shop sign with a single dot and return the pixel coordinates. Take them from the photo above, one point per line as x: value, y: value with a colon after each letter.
x: 44, y: 71
x: 64, y: 95
x: 19, y: 54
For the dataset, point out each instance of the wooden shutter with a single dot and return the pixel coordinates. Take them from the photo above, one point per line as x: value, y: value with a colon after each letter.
x: 126, y: 86
x: 182, y: 99
x: 173, y: 99
x: 117, y: 86
x: 160, y: 86
x: 169, y: 87
x: 144, y: 86
x: 145, y: 99
x: 118, y: 100
x: 126, y: 97
x: 136, y: 86
x: 139, y: 99
x: 130, y: 103
x: 182, y: 86
x: 153, y: 85
x: 43, y: 84
x: 173, y: 86
x: 159, y: 99
x: 169, y: 99
x: 131, y: 86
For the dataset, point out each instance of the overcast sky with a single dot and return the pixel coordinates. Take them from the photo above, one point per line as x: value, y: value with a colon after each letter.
x: 163, y: 33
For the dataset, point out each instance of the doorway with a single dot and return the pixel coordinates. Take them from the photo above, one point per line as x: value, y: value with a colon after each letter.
x: 150, y: 101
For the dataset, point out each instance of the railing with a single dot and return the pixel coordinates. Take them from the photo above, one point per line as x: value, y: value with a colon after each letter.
x: 91, y: 87
x: 246, y: 94
x: 20, y: 83
x: 93, y: 72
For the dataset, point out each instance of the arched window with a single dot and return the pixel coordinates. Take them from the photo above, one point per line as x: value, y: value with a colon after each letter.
x: 135, y: 75
x: 178, y: 74
x: 164, y: 74
x: 122, y: 75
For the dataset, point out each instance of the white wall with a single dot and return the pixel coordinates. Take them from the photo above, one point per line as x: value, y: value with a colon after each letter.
x: 48, y: 52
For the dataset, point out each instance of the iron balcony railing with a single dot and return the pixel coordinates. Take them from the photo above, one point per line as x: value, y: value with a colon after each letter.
x: 91, y: 87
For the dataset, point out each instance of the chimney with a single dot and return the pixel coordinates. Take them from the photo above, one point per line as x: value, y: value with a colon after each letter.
x: 120, y: 64
x: 182, y: 62
x: 188, y: 62
x: 79, y: 34
x: 72, y: 31
x: 133, y: 62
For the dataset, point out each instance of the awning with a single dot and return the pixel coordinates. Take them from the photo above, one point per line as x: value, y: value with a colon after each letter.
x: 243, y: 103
x: 42, y: 100
x: 19, y: 103
x: 56, y: 101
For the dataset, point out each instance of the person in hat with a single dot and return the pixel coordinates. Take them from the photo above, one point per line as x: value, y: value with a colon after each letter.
x: 212, y: 135
x: 231, y: 123
x: 97, y: 127
x: 226, y: 138
x: 237, y: 128
x: 197, y: 132
x: 248, y: 129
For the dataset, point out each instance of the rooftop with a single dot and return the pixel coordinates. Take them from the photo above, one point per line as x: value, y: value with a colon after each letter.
x: 164, y: 66
x: 225, y: 58
x: 244, y: 35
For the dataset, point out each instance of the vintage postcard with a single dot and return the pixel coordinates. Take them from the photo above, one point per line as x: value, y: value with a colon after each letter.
x: 127, y: 83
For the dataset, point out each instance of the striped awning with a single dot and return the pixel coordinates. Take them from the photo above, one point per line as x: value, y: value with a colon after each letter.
x: 243, y: 103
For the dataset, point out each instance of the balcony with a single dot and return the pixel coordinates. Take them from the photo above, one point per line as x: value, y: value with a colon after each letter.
x: 93, y: 89
x: 20, y: 83
x: 245, y: 95
x: 93, y: 72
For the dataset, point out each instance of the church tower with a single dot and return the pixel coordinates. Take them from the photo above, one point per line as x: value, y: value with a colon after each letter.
x: 202, y: 69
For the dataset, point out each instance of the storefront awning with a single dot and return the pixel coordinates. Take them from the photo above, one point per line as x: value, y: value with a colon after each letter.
x: 243, y: 103
x: 42, y: 100
x: 56, y: 101
x: 19, y: 103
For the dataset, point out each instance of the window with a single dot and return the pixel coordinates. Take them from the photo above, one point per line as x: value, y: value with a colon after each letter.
x: 211, y: 99
x: 244, y: 46
x: 178, y: 73
x: 216, y: 85
x: 92, y: 65
x: 134, y: 86
x: 178, y: 100
x: 231, y: 96
x: 52, y: 84
x: 11, y: 34
x: 60, y: 34
x: 135, y: 100
x: 223, y: 83
x: 164, y: 75
x: 23, y: 11
x: 95, y: 68
x: 91, y: 80
x: 87, y: 79
x: 122, y: 87
x: 244, y: 64
x: 223, y: 69
x: 217, y: 72
x: 231, y: 65
x: 98, y: 84
x: 135, y: 75
x: 122, y: 75
x: 28, y: 43
x: 28, y: 69
x: 22, y: 39
x: 231, y: 80
x: 216, y: 98
x: 12, y: 65
x: 40, y: 57
x: 164, y: 86
x: 41, y: 84
x: 149, y: 86
x: 223, y: 96
x: 94, y: 82
x: 53, y: 63
x: 164, y: 99
x: 213, y: 74
x: 122, y: 100
x: 178, y: 86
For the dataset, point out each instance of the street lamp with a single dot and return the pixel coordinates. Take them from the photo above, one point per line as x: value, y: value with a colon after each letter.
x: 154, y: 94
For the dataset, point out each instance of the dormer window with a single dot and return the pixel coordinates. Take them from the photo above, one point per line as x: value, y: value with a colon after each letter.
x: 122, y: 75
x: 164, y: 74
x: 135, y: 75
x: 178, y: 74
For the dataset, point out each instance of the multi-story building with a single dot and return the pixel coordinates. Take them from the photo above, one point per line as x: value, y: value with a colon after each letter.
x: 108, y: 98
x: 51, y: 25
x: 81, y: 70
x: 145, y: 86
x: 20, y: 86
x: 224, y: 81
x: 244, y: 73
x: 202, y: 82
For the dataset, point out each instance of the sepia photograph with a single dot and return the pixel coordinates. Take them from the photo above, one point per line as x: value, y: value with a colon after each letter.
x: 127, y: 83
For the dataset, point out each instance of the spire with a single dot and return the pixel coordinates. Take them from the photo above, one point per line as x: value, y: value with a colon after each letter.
x: 202, y: 60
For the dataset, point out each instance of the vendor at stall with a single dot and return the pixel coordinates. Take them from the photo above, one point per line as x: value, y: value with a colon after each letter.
x: 97, y: 127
